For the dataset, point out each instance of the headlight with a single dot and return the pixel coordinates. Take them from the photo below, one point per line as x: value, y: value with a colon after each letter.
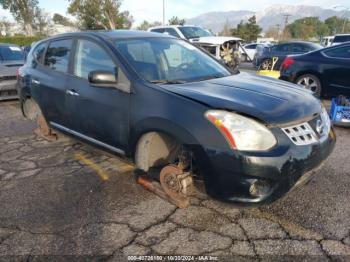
x: 242, y: 133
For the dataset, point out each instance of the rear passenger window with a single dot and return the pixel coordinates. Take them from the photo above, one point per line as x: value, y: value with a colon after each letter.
x: 91, y: 57
x: 341, y: 52
x: 57, y: 55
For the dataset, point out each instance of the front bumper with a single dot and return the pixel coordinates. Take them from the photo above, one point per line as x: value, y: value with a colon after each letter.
x: 279, y: 170
x: 8, y: 90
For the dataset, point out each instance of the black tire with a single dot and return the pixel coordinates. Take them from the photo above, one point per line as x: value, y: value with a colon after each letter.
x: 310, y: 82
x: 30, y: 109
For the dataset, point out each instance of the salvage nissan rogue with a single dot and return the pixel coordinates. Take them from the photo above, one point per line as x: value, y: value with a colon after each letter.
x: 175, y: 110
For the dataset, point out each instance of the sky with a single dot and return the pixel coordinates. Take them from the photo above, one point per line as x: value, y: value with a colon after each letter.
x: 152, y: 10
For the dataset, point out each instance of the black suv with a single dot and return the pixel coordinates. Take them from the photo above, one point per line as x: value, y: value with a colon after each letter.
x: 161, y: 101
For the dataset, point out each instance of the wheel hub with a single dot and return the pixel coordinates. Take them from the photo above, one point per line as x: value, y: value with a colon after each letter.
x: 177, y: 184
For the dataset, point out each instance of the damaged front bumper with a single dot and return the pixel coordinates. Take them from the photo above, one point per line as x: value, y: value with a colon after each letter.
x: 263, y: 177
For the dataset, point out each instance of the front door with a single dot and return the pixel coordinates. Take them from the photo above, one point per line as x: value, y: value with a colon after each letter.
x: 100, y: 114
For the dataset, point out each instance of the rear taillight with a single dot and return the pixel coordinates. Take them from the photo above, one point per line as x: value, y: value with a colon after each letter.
x: 17, y: 72
x: 287, y: 62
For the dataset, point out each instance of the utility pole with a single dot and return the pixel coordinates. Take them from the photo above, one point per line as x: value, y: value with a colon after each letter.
x: 286, y: 18
x: 278, y: 27
x: 163, y: 12
x: 345, y: 9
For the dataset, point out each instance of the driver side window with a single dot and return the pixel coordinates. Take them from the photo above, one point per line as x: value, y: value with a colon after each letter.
x: 91, y: 57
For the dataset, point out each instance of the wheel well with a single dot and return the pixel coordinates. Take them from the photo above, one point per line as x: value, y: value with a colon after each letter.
x: 30, y: 109
x: 155, y: 149
x: 299, y: 74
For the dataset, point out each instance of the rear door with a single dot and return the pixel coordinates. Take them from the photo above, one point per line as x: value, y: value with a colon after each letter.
x: 48, y: 80
x: 99, y: 114
x: 337, y: 70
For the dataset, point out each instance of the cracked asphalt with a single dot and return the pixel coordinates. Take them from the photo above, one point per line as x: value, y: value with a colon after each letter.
x: 53, y: 205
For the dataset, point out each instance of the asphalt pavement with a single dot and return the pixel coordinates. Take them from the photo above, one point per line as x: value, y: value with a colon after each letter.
x: 70, y: 199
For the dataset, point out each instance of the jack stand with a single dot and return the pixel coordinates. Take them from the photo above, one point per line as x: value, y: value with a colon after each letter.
x: 44, y: 130
x: 175, y: 185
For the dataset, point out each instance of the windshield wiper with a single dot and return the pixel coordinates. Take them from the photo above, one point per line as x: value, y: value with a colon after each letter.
x: 167, y: 82
x: 210, y: 77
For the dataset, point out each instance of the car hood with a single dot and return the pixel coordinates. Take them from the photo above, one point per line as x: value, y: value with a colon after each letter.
x: 274, y: 102
x: 215, y: 40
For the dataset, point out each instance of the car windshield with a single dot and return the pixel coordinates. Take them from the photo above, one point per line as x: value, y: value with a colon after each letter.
x: 11, y: 53
x: 194, y: 32
x: 169, y: 60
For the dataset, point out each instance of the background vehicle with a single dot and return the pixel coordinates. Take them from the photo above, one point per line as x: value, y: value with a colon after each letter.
x: 326, y: 72
x: 225, y: 48
x: 250, y: 50
x: 339, y: 39
x: 11, y: 58
x: 264, y: 58
x: 327, y: 41
x: 185, y: 111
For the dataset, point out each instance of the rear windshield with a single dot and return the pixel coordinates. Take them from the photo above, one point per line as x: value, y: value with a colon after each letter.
x: 341, y: 38
x: 11, y: 53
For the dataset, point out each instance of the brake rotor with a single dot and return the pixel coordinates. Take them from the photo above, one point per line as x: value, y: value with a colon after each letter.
x: 176, y: 184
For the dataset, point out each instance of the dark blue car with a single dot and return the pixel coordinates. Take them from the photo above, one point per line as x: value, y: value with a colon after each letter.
x: 325, y: 72
x: 264, y: 57
x: 174, y: 109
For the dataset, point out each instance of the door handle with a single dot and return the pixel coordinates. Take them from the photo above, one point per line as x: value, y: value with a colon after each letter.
x: 72, y: 92
x: 34, y: 81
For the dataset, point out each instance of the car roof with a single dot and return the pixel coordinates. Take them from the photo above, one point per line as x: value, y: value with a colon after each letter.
x: 113, y: 34
x: 7, y: 44
x: 296, y: 42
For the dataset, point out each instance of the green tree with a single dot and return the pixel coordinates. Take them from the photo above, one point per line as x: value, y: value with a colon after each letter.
x: 61, y: 20
x: 5, y: 26
x: 100, y: 14
x: 176, y: 21
x: 145, y: 25
x: 248, y: 31
x: 307, y: 28
x: 337, y: 25
x: 41, y: 21
x: 23, y: 11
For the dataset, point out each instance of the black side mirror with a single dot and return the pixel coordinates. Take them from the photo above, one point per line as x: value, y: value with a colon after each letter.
x: 103, y: 78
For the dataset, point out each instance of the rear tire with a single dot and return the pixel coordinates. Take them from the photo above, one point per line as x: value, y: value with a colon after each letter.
x: 310, y: 82
x: 30, y: 109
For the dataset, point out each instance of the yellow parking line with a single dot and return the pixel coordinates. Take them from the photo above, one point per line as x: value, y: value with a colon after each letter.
x: 92, y: 165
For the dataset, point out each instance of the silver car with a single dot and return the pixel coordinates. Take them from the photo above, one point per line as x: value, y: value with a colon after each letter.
x: 11, y: 58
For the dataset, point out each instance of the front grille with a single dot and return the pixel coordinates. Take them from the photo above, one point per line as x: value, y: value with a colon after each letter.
x: 5, y: 78
x: 301, y: 134
x: 316, y: 130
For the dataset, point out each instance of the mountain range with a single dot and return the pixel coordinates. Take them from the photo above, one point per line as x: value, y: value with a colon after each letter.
x: 266, y: 18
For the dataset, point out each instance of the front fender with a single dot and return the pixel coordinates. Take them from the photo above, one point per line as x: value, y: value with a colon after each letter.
x: 157, y: 124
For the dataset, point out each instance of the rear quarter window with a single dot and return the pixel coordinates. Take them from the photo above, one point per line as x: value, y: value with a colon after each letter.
x: 341, y: 52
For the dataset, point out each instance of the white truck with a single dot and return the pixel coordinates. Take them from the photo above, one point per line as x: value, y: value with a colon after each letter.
x: 225, y: 48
